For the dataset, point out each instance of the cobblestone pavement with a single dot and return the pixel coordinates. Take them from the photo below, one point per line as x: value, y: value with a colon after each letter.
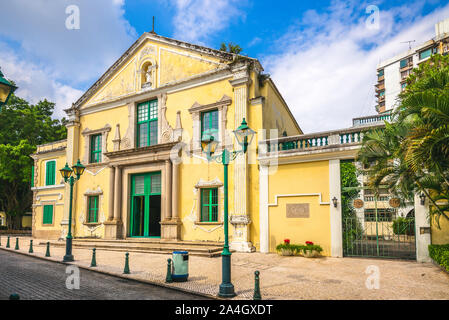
x: 290, y: 278
x: 35, y: 279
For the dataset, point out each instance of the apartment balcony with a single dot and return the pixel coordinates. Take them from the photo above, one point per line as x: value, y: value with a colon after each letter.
x: 380, y: 86
x: 381, y: 78
x: 380, y: 99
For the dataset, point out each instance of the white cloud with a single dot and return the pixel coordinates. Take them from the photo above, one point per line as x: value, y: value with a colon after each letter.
x: 36, y: 83
x: 327, y: 70
x: 49, y: 61
x: 197, y: 20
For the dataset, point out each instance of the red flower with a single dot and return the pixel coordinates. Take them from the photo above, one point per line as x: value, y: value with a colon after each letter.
x: 309, y: 243
x: 287, y: 241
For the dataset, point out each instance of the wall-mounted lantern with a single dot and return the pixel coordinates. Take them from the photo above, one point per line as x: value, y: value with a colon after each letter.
x: 335, y: 201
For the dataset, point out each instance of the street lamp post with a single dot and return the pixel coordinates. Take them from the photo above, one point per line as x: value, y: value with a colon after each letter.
x: 6, y: 89
x: 244, y: 136
x: 66, y: 172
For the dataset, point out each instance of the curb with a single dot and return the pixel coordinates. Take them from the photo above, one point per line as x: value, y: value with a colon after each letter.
x: 162, y: 285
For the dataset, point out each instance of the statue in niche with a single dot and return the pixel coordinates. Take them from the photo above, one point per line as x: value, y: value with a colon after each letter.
x: 147, y: 79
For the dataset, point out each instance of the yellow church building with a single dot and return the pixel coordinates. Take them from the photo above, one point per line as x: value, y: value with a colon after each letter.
x: 138, y: 131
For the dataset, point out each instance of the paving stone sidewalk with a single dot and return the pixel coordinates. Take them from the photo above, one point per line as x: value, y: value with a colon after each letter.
x: 289, y: 278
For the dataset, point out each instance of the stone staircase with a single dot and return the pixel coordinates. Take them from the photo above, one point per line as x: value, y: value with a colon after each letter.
x: 195, y: 248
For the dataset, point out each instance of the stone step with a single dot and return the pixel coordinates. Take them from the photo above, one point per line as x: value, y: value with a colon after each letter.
x: 149, y: 240
x: 205, y: 251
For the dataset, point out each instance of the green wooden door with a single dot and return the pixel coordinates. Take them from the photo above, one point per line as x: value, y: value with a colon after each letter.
x: 145, y: 214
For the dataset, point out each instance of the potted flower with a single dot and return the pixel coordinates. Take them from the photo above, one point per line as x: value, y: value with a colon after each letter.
x: 285, y: 249
x: 311, y: 250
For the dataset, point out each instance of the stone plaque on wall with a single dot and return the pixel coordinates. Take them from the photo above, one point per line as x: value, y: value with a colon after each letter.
x: 298, y: 210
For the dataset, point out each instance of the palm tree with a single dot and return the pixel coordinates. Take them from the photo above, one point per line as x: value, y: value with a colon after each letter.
x: 411, y: 154
x: 231, y: 48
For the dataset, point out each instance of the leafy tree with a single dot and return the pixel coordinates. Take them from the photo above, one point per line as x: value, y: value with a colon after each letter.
x: 349, y: 188
x: 231, y: 48
x: 411, y: 155
x: 23, y: 126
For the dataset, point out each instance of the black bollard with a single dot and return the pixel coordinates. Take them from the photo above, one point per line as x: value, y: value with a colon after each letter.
x: 7, y: 243
x: 168, y: 278
x: 17, y: 244
x: 257, y: 295
x: 31, y: 247
x: 126, y: 270
x: 94, y: 259
x: 47, y: 253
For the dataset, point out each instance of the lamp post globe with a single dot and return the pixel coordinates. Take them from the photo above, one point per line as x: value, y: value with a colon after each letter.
x: 6, y: 89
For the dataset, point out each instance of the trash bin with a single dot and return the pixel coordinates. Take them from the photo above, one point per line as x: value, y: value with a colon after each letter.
x: 180, y: 266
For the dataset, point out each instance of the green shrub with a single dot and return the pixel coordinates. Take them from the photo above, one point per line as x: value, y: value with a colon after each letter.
x: 440, y: 254
x: 3, y: 228
x: 404, y: 226
x: 311, y: 247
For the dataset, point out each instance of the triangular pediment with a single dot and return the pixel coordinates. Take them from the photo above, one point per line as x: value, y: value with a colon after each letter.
x: 153, y: 62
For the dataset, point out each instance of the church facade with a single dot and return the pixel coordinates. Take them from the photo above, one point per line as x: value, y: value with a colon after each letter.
x: 138, y: 131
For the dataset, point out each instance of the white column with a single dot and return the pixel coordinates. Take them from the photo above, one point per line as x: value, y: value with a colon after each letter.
x: 422, y: 240
x: 335, y: 212
x: 263, y: 210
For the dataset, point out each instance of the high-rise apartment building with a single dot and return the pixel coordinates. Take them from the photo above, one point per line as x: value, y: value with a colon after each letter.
x: 392, y: 73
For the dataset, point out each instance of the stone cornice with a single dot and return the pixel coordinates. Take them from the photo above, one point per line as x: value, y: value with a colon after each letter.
x: 139, y: 151
x: 224, y: 101
x: 88, y: 132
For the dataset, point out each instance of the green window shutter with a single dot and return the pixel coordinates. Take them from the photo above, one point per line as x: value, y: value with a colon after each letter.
x: 50, y: 173
x: 95, y: 148
x: 93, y: 210
x: 32, y: 176
x: 147, y: 116
x: 48, y: 214
x: 403, y: 63
x: 209, y: 205
x: 209, y: 124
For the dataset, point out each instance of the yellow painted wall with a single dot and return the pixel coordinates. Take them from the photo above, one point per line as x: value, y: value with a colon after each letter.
x: 440, y: 236
x: 276, y: 114
x: 173, y: 64
x: 3, y: 219
x: 303, y: 178
x: 26, y: 221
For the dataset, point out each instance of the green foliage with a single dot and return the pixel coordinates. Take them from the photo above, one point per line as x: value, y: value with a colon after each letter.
x: 411, y: 155
x: 350, y: 190
x: 404, y: 226
x: 440, y: 254
x: 311, y: 247
x: 350, y: 187
x: 231, y: 48
x: 297, y: 248
x: 23, y: 126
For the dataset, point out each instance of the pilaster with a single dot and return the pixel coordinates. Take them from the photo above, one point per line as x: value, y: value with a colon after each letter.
x: 422, y: 231
x: 239, y: 218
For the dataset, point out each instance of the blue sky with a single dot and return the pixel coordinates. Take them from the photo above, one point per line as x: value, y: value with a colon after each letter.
x: 320, y: 53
